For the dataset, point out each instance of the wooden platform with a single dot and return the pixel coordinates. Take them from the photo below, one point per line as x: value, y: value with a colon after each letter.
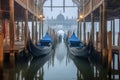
x: 18, y: 47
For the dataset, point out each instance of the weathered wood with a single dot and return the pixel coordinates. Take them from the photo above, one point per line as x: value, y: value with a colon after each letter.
x: 80, y: 30
x: 39, y: 30
x: 26, y: 27
x: 88, y: 36
x: 100, y: 27
x: 119, y: 52
x: 109, y: 50
x: 92, y: 24
x: 33, y: 28
x: 42, y: 27
x: 11, y: 4
x: 84, y: 27
x: 96, y: 41
x: 104, y: 31
x: 22, y: 31
x: 119, y: 24
x: 1, y: 49
x: 18, y: 31
x: 113, y: 32
x: 36, y: 37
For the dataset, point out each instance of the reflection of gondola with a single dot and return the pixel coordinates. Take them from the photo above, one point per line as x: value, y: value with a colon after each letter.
x: 84, y: 66
x: 35, y: 66
x: 77, y: 48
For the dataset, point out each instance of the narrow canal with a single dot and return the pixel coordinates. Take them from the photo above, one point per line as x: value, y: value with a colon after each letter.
x: 58, y: 65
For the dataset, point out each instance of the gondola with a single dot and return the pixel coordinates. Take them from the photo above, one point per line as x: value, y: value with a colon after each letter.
x: 43, y: 48
x: 77, y: 48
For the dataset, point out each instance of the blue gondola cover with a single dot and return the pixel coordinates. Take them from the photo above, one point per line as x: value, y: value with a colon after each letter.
x: 46, y: 40
x: 74, y: 41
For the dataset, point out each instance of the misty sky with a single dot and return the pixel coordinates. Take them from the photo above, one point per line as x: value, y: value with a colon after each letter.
x: 70, y: 12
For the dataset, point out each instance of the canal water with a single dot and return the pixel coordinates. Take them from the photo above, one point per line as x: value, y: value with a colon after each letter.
x: 58, y: 65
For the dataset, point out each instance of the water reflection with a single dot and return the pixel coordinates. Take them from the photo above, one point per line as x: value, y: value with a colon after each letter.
x: 59, y: 65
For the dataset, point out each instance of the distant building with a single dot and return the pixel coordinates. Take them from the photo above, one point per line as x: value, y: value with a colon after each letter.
x: 61, y: 23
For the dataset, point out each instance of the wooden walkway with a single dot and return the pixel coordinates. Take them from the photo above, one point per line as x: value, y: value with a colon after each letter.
x: 18, y: 47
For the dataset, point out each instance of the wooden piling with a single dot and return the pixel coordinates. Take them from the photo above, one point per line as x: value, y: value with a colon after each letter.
x: 22, y: 37
x: 18, y: 29
x: 113, y: 32
x: 40, y: 30
x: 100, y: 27
x: 1, y: 49
x: 92, y: 24
x: 109, y: 50
x: 36, y: 37
x: 96, y: 41
x: 26, y: 27
x: 11, y: 5
x: 119, y: 52
x: 104, y: 32
x: 33, y: 28
x: 88, y: 36
x: 84, y: 27
x: 80, y: 31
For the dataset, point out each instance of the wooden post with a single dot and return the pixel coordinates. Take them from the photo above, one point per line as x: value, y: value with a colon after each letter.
x: 119, y: 52
x: 36, y: 37
x: 111, y: 25
x: 1, y: 49
x: 22, y: 31
x: 39, y: 30
x: 11, y: 4
x: 113, y: 32
x: 84, y: 27
x: 119, y: 24
x: 18, y: 29
x: 96, y: 41
x: 80, y: 31
x: 100, y: 26
x: 104, y: 32
x: 26, y: 27
x: 88, y: 36
x: 109, y: 50
x: 92, y: 24
x: 33, y: 28
x: 42, y: 28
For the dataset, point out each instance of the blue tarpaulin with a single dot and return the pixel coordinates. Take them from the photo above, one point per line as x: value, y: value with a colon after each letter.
x: 73, y: 40
x: 46, y: 38
x: 45, y: 41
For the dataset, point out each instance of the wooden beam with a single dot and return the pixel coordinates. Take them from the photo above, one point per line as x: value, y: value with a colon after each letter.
x: 11, y: 5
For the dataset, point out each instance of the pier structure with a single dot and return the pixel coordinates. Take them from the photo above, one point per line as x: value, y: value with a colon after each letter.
x: 15, y: 17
